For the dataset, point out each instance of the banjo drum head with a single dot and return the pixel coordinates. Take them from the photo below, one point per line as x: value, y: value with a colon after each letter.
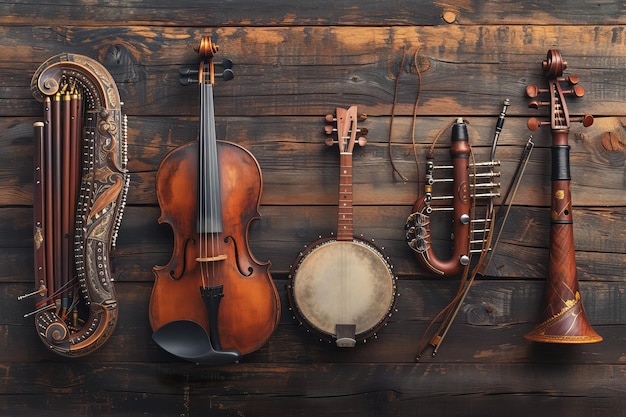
x: 343, y: 282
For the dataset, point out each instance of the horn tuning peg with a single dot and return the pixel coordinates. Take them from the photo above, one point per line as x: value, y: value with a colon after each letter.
x: 586, y: 120
x: 577, y: 91
x: 535, y: 104
x: 534, y: 124
x: 533, y: 91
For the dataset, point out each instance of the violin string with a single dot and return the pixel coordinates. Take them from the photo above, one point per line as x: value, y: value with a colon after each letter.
x: 213, y: 184
x: 202, y: 214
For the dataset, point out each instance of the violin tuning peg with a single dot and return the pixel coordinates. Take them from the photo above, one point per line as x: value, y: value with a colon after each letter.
x: 188, y: 71
x: 363, y: 131
x: 328, y: 129
x: 226, y: 63
x: 188, y: 76
x: 362, y: 116
x: 227, y: 75
x: 572, y: 79
x: 534, y: 124
x: 362, y: 140
x: 329, y: 118
x: 329, y: 142
x: 186, y: 80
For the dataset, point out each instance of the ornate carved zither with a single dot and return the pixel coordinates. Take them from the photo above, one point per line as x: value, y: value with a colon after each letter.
x: 80, y: 185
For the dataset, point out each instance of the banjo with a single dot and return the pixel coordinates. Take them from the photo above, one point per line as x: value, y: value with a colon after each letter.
x: 342, y: 288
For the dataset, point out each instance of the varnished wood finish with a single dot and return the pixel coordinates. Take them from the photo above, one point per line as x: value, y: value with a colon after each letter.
x: 296, y: 62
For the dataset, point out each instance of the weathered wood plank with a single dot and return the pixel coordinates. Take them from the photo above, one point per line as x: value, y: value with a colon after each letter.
x: 295, y: 62
x: 318, y: 13
x: 488, y: 329
x: 280, y: 144
x: 313, y: 390
x: 464, y: 69
x: 522, y: 251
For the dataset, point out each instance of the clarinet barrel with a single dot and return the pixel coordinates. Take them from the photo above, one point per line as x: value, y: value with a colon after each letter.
x: 563, y: 319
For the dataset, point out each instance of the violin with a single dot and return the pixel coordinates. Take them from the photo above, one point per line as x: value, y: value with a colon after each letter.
x: 213, y: 302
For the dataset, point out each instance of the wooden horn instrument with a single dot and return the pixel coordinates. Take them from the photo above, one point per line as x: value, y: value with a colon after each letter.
x: 563, y: 319
x: 80, y: 185
x: 467, y: 188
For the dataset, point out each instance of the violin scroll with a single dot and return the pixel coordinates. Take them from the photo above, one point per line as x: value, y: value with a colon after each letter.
x: 207, y: 50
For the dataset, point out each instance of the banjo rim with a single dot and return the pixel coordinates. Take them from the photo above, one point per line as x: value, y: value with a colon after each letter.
x: 300, y: 316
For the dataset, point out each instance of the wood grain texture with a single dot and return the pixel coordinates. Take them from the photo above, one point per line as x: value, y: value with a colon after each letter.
x: 295, y: 62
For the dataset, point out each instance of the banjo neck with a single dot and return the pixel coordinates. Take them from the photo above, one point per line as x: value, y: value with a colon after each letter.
x: 342, y: 288
x: 345, y: 229
x: 347, y: 136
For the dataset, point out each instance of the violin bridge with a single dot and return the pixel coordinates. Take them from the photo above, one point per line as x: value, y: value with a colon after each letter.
x: 212, y: 258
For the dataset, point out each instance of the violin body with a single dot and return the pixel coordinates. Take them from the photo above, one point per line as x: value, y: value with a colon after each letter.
x: 213, y: 302
x: 249, y: 309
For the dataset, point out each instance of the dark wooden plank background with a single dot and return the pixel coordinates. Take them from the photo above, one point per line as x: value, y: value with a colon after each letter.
x: 296, y: 61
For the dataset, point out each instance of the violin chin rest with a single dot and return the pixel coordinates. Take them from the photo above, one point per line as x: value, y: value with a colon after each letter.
x: 188, y: 340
